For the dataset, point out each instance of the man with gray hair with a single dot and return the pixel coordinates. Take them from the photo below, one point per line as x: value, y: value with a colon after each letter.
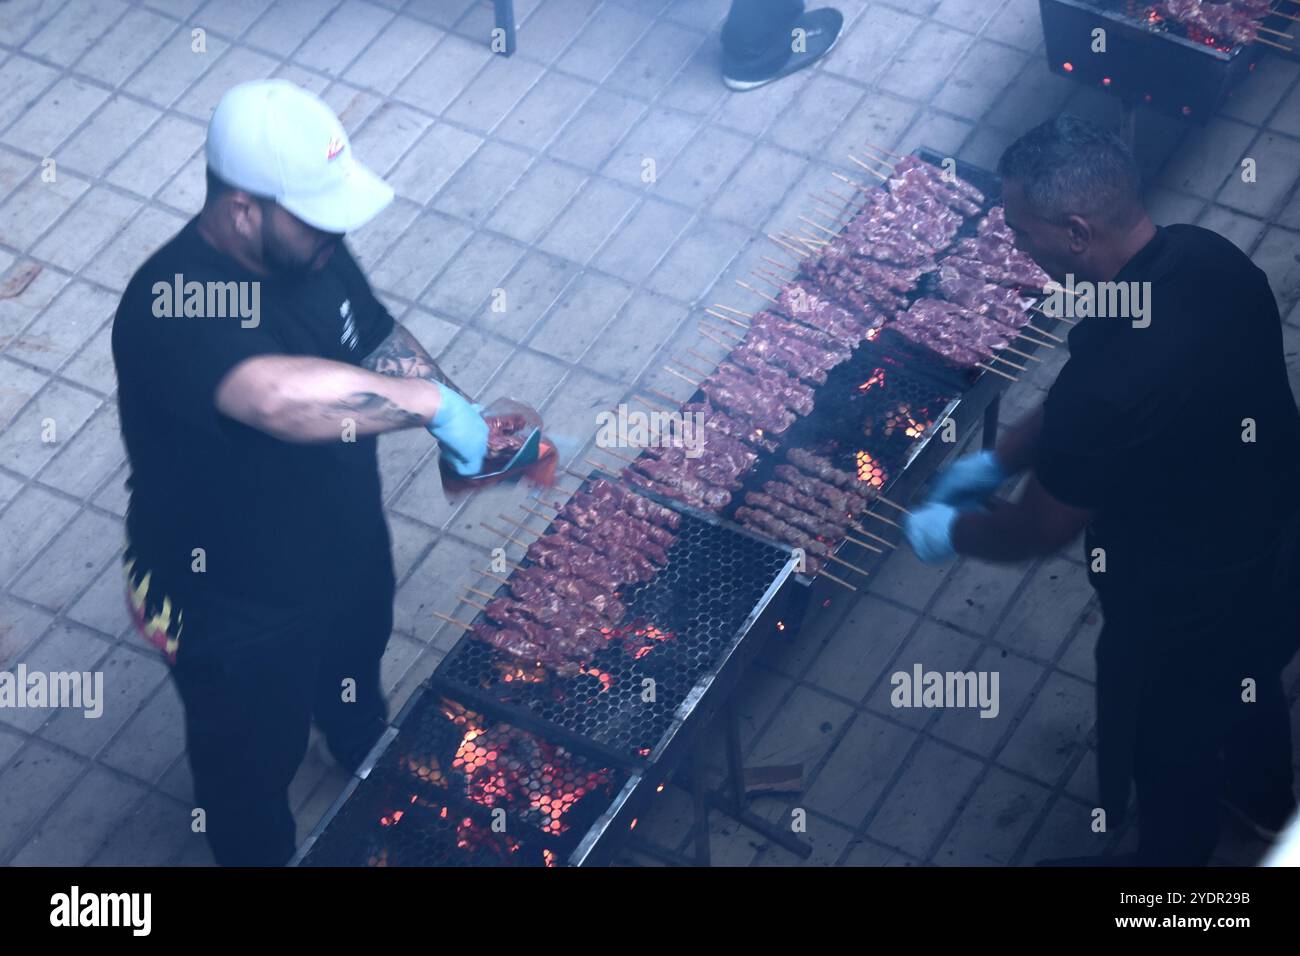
x: 1174, y: 444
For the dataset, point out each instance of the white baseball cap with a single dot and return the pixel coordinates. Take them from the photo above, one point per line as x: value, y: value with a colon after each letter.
x: 276, y: 140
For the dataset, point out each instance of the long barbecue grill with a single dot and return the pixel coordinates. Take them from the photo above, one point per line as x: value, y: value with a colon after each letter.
x: 534, y: 744
x: 1180, y: 57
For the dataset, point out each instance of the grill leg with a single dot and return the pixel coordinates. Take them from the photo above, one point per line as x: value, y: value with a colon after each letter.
x: 701, y: 797
x: 990, y: 436
x: 735, y: 763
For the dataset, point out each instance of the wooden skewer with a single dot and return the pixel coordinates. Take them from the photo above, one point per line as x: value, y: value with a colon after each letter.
x: 897, y: 507
x: 879, y: 161
x: 836, y: 213
x: 727, y: 308
x: 809, y: 239
x: 689, y: 368
x: 872, y: 170
x: 823, y: 573
x: 831, y: 557
x: 745, y: 285
x: 727, y: 318
x: 872, y: 514
x: 721, y: 330
x: 481, y: 607
x: 1006, y: 361
x: 701, y: 355
x: 874, y: 537
x: 517, y: 523
x: 503, y: 535
x: 1276, y: 32
x: 862, y: 544
x: 672, y: 402
x: 779, y: 265
x: 541, y: 514
x: 811, y: 247
x: 1033, y: 341
x: 671, y: 371
x: 883, y: 152
x: 852, y: 182
x: 767, y: 278
x: 1032, y: 358
x: 1043, y: 332
x: 488, y: 574
x: 989, y: 368
x: 447, y: 617
x: 704, y: 331
x: 1285, y: 16
x: 1271, y: 43
x: 785, y: 245
x: 816, y: 225
x: 847, y: 200
x: 490, y: 597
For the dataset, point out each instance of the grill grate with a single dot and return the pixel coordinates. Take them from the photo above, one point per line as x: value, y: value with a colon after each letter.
x: 456, y: 788
x: 677, y: 630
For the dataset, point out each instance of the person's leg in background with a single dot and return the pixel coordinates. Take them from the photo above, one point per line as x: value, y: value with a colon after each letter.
x: 759, y: 40
x: 1257, y: 759
x: 349, y: 704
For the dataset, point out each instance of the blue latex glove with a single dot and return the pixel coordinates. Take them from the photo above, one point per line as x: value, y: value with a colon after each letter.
x: 461, y: 431
x: 969, y: 481
x: 929, y: 531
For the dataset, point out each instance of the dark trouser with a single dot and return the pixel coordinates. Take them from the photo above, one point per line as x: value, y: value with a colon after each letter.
x: 1172, y: 674
x: 248, y: 712
x: 756, y: 35
x: 1182, y: 772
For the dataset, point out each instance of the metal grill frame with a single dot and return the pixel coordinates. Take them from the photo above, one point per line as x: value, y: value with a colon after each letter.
x: 520, y: 716
x: 979, y: 401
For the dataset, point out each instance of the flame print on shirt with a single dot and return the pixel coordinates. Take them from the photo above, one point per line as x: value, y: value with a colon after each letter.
x: 158, y: 619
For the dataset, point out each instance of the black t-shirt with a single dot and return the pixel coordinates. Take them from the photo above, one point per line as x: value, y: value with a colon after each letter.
x: 1145, y: 425
x: 280, y: 524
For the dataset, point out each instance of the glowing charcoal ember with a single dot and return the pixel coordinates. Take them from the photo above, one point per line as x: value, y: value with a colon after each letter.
x: 869, y: 470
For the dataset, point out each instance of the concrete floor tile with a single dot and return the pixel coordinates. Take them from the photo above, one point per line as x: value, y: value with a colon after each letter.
x: 860, y: 769
x: 994, y: 822
x: 1054, y: 731
x: 35, y: 777
x: 930, y: 792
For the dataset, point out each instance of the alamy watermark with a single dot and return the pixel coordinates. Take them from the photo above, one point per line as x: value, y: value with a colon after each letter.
x: 1109, y: 300
x: 209, y: 300
x: 76, y: 690
x: 922, y: 688
x: 628, y: 428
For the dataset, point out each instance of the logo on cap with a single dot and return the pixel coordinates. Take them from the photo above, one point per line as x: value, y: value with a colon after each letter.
x: 335, y: 147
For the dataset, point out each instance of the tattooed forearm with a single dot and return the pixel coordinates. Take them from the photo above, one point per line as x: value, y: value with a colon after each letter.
x: 402, y: 356
x: 378, y: 411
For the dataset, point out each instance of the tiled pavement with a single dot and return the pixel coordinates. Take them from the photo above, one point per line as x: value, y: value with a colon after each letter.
x: 526, y: 175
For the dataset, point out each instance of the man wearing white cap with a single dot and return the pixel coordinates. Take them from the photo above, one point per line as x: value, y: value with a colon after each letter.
x: 255, y: 370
